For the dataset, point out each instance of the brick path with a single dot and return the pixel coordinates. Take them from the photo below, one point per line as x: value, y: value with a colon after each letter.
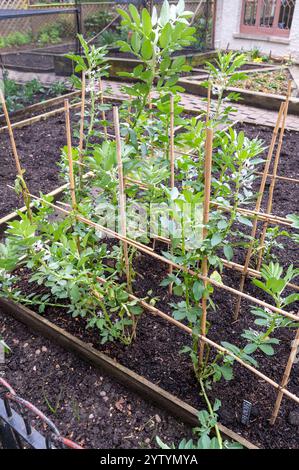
x: 244, y: 113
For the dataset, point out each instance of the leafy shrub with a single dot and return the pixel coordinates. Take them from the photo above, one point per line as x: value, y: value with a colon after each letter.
x: 17, y: 96
x: 95, y: 23
x: 15, y: 39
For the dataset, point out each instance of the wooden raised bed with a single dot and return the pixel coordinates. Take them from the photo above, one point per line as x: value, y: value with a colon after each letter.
x: 130, y: 379
x: 252, y: 98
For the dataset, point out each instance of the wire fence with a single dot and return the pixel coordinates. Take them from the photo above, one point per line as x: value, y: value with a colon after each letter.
x: 28, y: 28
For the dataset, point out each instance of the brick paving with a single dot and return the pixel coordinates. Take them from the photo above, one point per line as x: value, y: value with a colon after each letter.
x: 243, y: 113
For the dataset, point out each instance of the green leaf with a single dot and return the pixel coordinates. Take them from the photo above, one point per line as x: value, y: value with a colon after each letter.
x: 134, y: 13
x: 165, y: 36
x: 136, y: 44
x: 165, y: 13
x: 243, y: 220
x: 267, y: 349
x: 250, y: 348
x: 294, y: 218
x: 216, y: 239
x: 198, y: 289
x: 227, y: 372
x: 147, y: 50
x: 161, y: 444
x: 215, y: 276
x: 146, y: 22
x: 276, y: 285
x: 228, y: 252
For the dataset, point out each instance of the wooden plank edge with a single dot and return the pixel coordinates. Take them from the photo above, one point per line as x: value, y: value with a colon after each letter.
x: 42, y: 104
x: 130, y: 379
x: 44, y: 116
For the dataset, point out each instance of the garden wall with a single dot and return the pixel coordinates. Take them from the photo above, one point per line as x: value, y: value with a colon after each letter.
x: 227, y: 33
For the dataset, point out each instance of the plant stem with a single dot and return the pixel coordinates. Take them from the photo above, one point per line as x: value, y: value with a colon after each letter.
x: 212, y: 413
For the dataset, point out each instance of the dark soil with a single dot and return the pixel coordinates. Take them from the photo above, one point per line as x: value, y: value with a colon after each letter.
x: 286, y: 194
x: 156, y: 355
x: 87, y: 406
x: 156, y: 352
x: 39, y: 147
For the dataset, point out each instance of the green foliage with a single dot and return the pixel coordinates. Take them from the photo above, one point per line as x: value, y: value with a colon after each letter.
x: 224, y: 73
x: 93, y: 24
x: 93, y: 63
x: 207, y: 422
x: 49, y: 34
x: 274, y: 283
x: 152, y: 41
x: 76, y: 267
x: 15, y: 39
x: 294, y: 218
x: 18, y: 96
x: 52, y: 33
x: 68, y: 268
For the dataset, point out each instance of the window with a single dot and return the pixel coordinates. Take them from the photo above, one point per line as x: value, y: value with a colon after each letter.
x: 267, y: 17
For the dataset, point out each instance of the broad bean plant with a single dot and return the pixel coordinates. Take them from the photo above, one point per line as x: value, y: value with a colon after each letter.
x: 51, y: 262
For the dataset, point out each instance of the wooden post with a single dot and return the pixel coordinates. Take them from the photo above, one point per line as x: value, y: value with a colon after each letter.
x: 286, y: 376
x: 273, y: 179
x: 206, y: 211
x: 70, y: 153
x: 25, y: 191
x: 102, y: 104
x: 122, y: 196
x: 171, y: 159
x: 258, y: 207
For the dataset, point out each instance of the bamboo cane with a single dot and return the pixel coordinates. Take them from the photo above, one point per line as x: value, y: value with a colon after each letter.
x: 20, y: 171
x: 156, y: 312
x: 149, y: 251
x: 285, y: 379
x: 171, y: 158
x: 258, y: 208
x: 102, y: 104
x: 206, y: 211
x: 282, y: 178
x: 228, y: 264
x: 70, y: 154
x: 272, y: 219
x: 122, y: 197
x: 273, y: 180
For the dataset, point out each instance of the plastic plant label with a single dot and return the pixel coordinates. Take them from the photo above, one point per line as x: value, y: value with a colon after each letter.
x: 246, y: 412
